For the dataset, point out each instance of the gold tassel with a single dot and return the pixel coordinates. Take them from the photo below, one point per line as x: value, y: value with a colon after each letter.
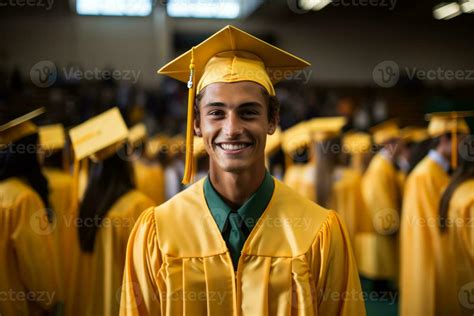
x: 75, y: 184
x: 454, y: 143
x: 188, y: 167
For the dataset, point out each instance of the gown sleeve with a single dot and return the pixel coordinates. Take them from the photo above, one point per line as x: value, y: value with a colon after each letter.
x: 335, y: 271
x: 33, y: 245
x: 140, y: 295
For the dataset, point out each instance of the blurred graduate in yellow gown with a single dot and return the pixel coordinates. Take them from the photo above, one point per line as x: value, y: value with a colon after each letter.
x: 28, y: 273
x: 149, y: 175
x: 107, y: 213
x: 54, y: 155
x: 425, y: 287
x: 337, y: 186
x: 238, y: 242
x: 347, y: 194
x: 456, y: 225
x: 300, y: 160
x: 378, y: 250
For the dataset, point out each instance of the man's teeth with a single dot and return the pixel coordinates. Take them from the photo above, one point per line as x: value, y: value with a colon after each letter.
x: 233, y: 146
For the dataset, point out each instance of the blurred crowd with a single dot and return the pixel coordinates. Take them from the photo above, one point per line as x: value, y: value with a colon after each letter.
x: 66, y: 213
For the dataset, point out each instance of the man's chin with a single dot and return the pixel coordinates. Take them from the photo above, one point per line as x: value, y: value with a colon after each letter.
x: 234, y: 168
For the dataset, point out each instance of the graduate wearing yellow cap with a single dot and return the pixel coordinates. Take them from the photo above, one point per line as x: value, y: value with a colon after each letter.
x: 378, y: 249
x: 52, y: 142
x: 456, y: 215
x: 149, y: 175
x: 165, y: 151
x: 27, y: 256
x: 357, y: 146
x: 107, y: 213
x: 424, y: 287
x: 300, y: 173
x: 221, y: 240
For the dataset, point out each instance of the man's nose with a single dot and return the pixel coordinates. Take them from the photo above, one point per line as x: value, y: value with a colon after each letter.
x: 232, y: 125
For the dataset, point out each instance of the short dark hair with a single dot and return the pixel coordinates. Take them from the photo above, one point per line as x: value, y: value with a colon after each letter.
x: 272, y: 101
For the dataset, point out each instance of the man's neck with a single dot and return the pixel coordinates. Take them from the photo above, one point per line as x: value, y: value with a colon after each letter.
x: 236, y: 188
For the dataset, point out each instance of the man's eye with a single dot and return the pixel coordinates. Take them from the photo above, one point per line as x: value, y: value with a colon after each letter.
x: 249, y: 113
x: 215, y: 113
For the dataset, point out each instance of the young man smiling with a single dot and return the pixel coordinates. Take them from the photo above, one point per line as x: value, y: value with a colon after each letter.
x: 235, y: 234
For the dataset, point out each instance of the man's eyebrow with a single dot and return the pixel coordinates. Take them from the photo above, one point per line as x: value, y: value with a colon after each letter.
x: 215, y: 104
x: 250, y: 104
x: 246, y: 104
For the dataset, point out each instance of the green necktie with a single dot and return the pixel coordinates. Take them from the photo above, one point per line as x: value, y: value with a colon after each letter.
x: 236, y: 237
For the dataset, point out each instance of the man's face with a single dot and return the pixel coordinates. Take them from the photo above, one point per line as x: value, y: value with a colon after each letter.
x: 234, y: 124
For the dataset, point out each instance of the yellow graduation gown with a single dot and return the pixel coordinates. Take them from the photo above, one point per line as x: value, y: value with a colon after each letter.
x: 64, y: 231
x: 378, y: 249
x: 460, y: 235
x: 297, y: 261
x: 98, y: 276
x: 301, y: 178
x: 26, y: 249
x: 150, y: 179
x: 347, y: 200
x: 422, y: 248
x: 461, y: 244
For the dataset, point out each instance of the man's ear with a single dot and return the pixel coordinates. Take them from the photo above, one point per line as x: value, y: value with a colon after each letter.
x: 197, y: 127
x: 273, y: 124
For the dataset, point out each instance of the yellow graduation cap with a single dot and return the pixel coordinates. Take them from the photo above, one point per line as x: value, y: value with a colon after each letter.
x: 97, y: 138
x: 356, y: 142
x: 230, y: 55
x: 155, y: 145
x: 296, y: 137
x: 385, y: 132
x: 16, y: 127
x: 449, y: 122
x: 97, y: 134
x: 137, y: 134
x: 414, y: 134
x: 273, y: 142
x: 323, y: 128
x: 52, y: 137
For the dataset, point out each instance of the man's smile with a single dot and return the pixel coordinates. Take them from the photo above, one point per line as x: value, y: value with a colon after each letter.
x: 234, y: 147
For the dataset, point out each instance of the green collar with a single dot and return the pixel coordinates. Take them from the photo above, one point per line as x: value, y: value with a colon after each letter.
x: 250, y: 211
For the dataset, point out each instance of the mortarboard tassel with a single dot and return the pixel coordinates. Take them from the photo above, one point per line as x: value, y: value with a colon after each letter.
x: 454, y: 142
x: 188, y: 167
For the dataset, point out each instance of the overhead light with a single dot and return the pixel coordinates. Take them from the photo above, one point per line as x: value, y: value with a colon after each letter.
x: 114, y: 7
x: 446, y: 11
x: 211, y: 9
x: 313, y: 4
x: 467, y: 6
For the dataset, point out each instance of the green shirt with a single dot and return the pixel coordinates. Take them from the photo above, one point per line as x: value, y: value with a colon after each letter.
x: 250, y: 211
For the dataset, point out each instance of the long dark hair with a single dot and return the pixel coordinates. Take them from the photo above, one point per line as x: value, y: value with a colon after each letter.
x: 462, y: 174
x: 328, y: 158
x: 108, y: 181
x: 19, y: 159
